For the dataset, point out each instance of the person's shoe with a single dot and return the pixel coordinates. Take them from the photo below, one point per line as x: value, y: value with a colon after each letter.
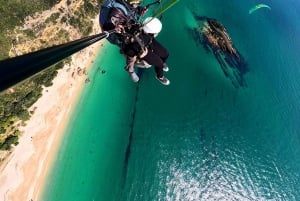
x: 134, y: 76
x: 165, y: 67
x: 163, y: 80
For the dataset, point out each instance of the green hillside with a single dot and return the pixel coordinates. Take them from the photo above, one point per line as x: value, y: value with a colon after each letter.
x: 14, y: 103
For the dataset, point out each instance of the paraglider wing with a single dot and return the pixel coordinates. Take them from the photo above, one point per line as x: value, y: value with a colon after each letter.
x: 258, y: 6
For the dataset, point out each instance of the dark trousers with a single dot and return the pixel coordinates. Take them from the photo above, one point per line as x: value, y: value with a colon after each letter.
x: 157, y: 55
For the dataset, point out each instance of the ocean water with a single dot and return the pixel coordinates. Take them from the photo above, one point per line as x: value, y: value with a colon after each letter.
x: 200, y: 138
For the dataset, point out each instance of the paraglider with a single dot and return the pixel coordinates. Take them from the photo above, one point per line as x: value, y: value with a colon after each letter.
x: 258, y: 6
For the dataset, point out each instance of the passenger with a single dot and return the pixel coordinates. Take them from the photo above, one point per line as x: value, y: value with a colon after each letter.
x: 144, y: 46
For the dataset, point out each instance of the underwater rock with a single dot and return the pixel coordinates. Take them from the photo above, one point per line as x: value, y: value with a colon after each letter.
x: 213, y: 36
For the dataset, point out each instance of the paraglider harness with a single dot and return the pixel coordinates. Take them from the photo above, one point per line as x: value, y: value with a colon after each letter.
x: 133, y: 30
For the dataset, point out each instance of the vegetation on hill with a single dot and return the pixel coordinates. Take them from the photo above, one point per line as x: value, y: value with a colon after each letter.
x: 13, y: 13
x: 16, y: 39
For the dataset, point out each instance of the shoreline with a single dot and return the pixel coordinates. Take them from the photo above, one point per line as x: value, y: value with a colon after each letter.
x: 24, y: 173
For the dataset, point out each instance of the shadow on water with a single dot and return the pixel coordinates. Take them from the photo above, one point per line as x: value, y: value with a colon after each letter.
x: 127, y: 153
x: 213, y: 37
x: 140, y: 73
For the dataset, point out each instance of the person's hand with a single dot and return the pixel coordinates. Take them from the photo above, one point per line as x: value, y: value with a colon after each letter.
x: 120, y: 29
x: 144, y: 11
x: 144, y: 52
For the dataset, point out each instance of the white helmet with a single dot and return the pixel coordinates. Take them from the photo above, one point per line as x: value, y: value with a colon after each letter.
x: 134, y: 1
x: 152, y: 25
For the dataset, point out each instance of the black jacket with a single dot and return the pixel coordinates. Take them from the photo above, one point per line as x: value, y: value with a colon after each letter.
x: 134, y: 48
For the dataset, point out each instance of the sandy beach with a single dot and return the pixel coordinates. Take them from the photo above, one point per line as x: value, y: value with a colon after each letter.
x: 24, y: 172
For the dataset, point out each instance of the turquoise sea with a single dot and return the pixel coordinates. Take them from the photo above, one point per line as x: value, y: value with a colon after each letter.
x: 200, y: 138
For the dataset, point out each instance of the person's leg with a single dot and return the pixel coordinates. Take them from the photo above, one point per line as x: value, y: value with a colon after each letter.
x: 160, y: 50
x: 130, y: 68
x: 130, y: 63
x: 163, y: 53
x: 157, y: 62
